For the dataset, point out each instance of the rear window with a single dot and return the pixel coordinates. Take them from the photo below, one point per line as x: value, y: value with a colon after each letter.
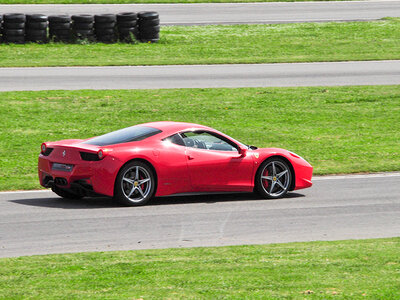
x: 130, y: 134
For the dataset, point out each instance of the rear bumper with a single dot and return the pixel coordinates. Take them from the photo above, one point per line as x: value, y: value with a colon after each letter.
x: 86, y: 177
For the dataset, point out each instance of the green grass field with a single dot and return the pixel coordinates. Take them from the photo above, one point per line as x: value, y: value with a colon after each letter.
x: 364, y: 269
x: 304, y: 42
x: 337, y: 129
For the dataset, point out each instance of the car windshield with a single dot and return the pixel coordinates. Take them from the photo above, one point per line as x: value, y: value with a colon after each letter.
x: 130, y: 134
x: 240, y: 143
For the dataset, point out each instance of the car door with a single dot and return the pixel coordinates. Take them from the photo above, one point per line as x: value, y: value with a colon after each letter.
x: 173, y: 173
x: 215, y: 163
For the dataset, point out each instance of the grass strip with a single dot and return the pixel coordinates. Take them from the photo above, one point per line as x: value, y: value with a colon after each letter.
x: 355, y: 269
x: 223, y: 44
x: 337, y: 129
x: 144, y: 1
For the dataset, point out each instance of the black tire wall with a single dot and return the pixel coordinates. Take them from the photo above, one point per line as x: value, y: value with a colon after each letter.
x: 105, y: 28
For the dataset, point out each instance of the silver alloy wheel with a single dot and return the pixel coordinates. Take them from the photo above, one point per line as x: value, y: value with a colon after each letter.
x: 136, y: 184
x: 275, y: 178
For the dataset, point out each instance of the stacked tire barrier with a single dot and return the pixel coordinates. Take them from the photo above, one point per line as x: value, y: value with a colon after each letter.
x: 36, y: 28
x: 105, y: 28
x: 149, y: 26
x: 1, y: 28
x: 14, y: 28
x: 127, y: 26
x: 60, y: 28
x: 83, y: 27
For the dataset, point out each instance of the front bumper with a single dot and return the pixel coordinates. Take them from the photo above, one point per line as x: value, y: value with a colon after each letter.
x: 303, y: 173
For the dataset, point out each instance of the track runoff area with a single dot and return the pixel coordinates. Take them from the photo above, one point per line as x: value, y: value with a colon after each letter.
x: 335, y: 208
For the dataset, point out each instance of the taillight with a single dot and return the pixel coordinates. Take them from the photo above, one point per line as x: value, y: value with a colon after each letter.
x: 94, y: 156
x: 43, y: 148
x: 100, y: 154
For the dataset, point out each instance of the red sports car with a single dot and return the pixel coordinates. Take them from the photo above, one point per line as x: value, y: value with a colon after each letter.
x: 165, y: 158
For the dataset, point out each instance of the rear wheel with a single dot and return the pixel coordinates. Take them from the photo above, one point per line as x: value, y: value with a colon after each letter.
x: 135, y: 184
x: 273, y: 178
x: 65, y: 194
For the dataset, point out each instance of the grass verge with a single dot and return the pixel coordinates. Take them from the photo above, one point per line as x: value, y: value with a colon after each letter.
x: 305, y: 42
x: 337, y: 129
x: 363, y: 269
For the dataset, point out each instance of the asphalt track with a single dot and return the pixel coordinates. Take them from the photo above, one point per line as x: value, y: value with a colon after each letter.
x: 201, y: 76
x: 335, y: 208
x: 233, y: 13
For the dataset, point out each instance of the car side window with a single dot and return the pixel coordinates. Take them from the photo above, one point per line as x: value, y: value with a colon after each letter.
x: 175, y: 139
x: 205, y: 140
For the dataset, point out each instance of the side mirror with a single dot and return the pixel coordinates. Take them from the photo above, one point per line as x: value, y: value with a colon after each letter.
x: 242, y: 152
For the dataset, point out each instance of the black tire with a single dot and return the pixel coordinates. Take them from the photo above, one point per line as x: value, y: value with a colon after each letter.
x: 149, y: 30
x: 14, y: 25
x: 65, y: 32
x: 40, y: 40
x: 36, y: 18
x: 37, y: 36
x: 83, y: 32
x: 82, y: 26
x: 14, y: 32
x: 127, y: 24
x: 80, y: 36
x: 148, y: 15
x: 64, y: 26
x: 127, y: 31
x: 36, y: 32
x: 101, y: 32
x: 104, y: 25
x: 147, y: 23
x: 126, y: 16
x: 63, y: 39
x: 276, y: 190
x: 31, y: 34
x: 105, y: 18
x: 14, y: 18
x: 82, y: 18
x: 65, y: 194
x: 55, y: 19
x: 107, y: 39
x: 14, y: 39
x: 128, y: 37
x: 37, y: 25
x: 121, y: 187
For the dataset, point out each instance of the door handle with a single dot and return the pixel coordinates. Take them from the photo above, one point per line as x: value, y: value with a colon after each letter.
x: 190, y: 157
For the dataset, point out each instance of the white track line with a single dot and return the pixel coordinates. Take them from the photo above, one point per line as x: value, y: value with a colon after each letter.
x: 356, y: 176
x: 25, y: 192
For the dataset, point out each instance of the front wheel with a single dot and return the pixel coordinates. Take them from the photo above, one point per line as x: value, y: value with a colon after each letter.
x: 273, y: 178
x: 135, y: 184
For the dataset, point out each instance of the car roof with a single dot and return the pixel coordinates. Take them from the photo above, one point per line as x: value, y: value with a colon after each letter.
x: 171, y: 127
